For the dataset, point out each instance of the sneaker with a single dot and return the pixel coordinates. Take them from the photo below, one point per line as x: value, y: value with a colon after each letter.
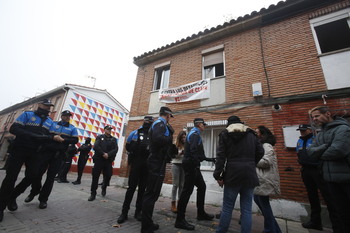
x: 311, y: 225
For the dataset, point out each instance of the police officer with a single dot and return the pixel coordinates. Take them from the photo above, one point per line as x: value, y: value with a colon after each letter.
x: 313, y: 182
x: 83, y: 158
x: 53, y: 154
x: 31, y: 130
x: 194, y: 154
x: 106, y: 148
x: 161, y: 138
x: 137, y: 146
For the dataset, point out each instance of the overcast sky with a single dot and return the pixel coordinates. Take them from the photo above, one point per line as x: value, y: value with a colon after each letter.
x: 47, y: 43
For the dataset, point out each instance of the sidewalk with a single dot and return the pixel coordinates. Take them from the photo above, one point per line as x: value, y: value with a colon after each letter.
x: 69, y: 211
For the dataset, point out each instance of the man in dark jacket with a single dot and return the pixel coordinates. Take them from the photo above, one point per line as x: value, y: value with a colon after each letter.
x: 31, y: 130
x: 161, y: 138
x: 238, y: 152
x: 106, y: 148
x: 83, y: 158
x: 137, y: 146
x: 52, y: 155
x: 313, y: 181
x: 193, y: 156
x: 332, y: 147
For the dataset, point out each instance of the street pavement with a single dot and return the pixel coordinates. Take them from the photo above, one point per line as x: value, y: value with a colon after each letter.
x: 69, y: 210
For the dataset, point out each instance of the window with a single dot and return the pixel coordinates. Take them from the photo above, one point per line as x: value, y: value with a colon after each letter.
x: 161, y: 77
x: 213, y: 62
x: 332, y: 32
x: 210, y: 137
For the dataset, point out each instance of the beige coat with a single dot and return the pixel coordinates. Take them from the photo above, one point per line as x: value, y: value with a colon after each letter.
x: 267, y: 171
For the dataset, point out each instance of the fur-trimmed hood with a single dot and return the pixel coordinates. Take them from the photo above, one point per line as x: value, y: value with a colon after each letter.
x: 237, y: 131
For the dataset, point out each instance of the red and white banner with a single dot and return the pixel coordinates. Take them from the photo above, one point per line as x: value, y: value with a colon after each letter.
x: 188, y: 92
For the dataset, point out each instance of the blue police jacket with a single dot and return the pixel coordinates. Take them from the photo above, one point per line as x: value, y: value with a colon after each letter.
x: 303, y: 158
x: 67, y: 131
x: 194, y: 150
x: 31, y: 130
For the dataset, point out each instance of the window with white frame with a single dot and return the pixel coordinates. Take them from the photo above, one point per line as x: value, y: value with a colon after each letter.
x: 161, y: 77
x: 332, y: 31
x: 213, y: 62
x: 210, y: 138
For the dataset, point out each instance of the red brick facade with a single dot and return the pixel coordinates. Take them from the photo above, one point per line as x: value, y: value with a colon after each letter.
x: 292, y: 77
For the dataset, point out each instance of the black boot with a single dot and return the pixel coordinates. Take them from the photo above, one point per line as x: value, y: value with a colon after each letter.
x: 312, y: 225
x: 183, y: 224
x: 205, y: 216
x: 76, y: 182
x: 12, y: 205
x: 29, y: 198
x: 122, y: 218
x: 138, y: 215
x: 92, y: 197
x: 103, y: 191
x: 42, y: 205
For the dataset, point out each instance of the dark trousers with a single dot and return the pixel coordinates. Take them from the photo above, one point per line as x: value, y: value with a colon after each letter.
x: 104, y: 166
x: 341, y: 196
x: 50, y: 164
x: 64, y: 169
x: 154, y: 186
x: 19, y: 157
x: 193, y: 177
x: 313, y: 182
x: 81, y: 165
x: 270, y: 223
x: 137, y: 178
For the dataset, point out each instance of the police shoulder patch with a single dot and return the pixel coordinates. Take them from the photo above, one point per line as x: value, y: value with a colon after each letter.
x: 33, y: 119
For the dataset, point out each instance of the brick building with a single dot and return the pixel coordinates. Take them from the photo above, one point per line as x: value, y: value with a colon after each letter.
x: 268, y: 67
x: 92, y: 109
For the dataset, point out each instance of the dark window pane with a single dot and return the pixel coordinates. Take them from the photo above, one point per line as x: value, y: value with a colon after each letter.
x: 219, y: 69
x: 333, y: 36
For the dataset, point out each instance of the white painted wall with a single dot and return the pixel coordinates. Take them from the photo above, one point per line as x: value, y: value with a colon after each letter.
x: 106, y: 100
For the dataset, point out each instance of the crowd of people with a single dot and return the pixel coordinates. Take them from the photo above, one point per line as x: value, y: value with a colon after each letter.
x: 245, y: 165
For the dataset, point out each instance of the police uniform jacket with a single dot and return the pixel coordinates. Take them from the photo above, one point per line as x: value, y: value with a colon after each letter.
x: 67, y: 131
x: 105, y: 144
x: 137, y: 145
x: 303, y: 158
x: 31, y: 130
x: 161, y: 138
x: 194, y: 150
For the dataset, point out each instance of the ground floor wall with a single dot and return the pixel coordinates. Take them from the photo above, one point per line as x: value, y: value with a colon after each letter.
x: 283, y: 121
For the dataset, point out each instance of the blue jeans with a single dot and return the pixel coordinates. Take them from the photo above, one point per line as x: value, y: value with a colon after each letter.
x: 246, y: 199
x: 270, y: 223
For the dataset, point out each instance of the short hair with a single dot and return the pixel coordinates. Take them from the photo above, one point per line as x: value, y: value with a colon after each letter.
x: 321, y: 109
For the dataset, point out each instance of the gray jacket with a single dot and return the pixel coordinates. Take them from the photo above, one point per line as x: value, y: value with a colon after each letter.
x: 332, y: 147
x: 267, y: 171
